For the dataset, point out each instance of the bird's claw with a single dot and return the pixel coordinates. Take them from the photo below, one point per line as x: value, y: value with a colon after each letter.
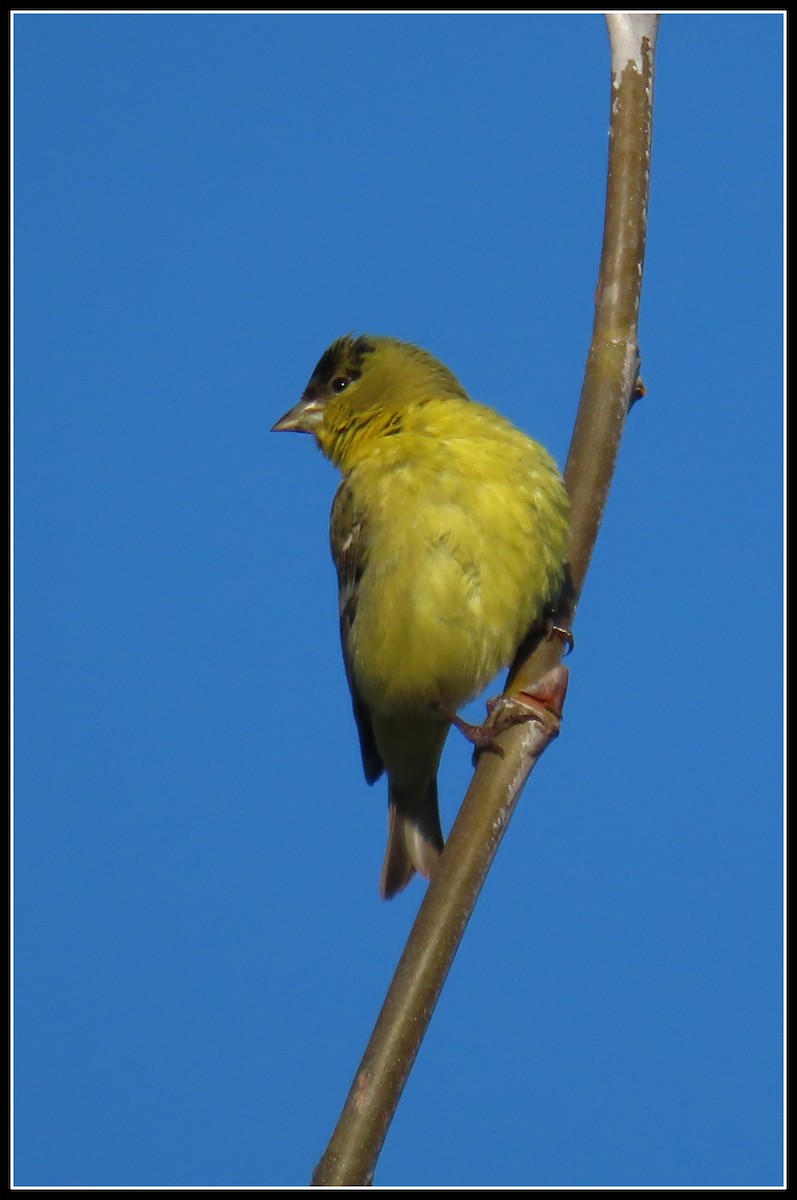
x: 564, y: 634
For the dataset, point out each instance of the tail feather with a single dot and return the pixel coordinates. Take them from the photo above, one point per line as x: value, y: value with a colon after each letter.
x: 414, y: 839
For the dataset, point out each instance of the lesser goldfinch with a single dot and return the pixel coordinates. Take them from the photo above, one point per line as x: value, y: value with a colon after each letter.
x: 449, y: 535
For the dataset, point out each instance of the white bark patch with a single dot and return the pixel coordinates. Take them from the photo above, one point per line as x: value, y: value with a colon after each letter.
x: 627, y: 34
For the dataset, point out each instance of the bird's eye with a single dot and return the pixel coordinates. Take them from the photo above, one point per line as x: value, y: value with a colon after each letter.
x: 339, y: 383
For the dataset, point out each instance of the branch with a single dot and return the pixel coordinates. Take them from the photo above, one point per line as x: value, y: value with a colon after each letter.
x: 610, y: 388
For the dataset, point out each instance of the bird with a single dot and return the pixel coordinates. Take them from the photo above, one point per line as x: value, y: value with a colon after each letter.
x: 449, y: 535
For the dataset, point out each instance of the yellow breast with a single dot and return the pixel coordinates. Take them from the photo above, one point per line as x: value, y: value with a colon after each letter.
x: 468, y: 528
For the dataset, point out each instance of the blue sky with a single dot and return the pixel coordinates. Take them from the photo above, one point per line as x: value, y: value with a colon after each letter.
x: 202, y: 203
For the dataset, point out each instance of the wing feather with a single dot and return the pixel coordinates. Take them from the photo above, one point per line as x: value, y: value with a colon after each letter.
x: 349, y: 544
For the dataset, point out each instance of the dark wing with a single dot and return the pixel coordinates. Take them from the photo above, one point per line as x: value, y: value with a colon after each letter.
x: 349, y: 541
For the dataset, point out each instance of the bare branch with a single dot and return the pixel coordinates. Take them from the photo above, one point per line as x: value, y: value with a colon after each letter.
x: 610, y: 386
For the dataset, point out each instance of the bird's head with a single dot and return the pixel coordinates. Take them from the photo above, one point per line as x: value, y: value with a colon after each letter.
x: 363, y: 386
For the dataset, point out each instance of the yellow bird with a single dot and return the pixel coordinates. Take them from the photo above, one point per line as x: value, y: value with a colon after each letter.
x: 449, y: 534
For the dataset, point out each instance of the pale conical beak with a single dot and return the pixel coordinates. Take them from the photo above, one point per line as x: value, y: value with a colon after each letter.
x: 304, y: 417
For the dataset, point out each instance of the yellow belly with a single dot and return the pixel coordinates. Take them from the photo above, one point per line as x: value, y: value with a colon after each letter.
x: 451, y: 589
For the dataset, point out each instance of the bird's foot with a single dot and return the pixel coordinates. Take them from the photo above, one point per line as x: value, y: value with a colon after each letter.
x: 483, y: 736
x: 541, y: 702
